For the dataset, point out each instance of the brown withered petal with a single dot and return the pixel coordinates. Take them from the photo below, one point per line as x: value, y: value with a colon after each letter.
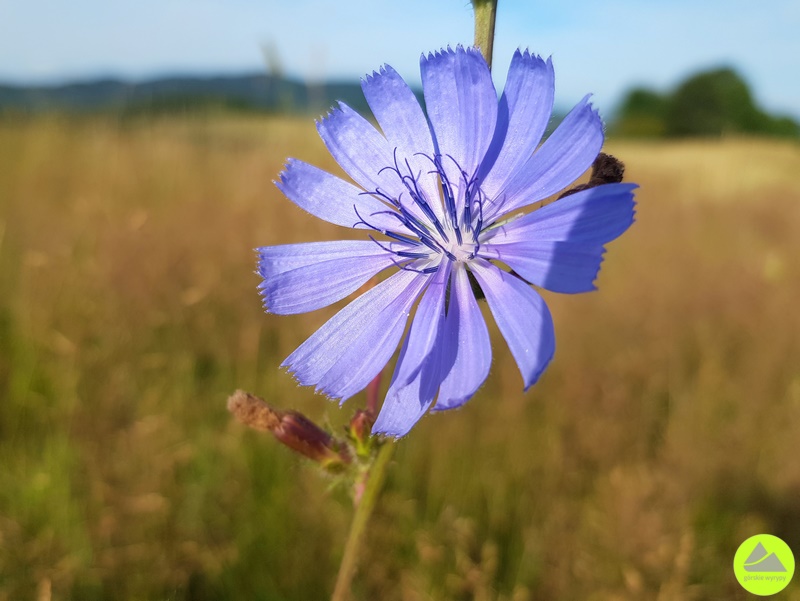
x: 253, y: 411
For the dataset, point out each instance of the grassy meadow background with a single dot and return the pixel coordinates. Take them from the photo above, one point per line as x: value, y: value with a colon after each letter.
x: 664, y: 433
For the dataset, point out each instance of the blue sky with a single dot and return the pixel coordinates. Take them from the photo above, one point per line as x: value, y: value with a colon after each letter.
x: 600, y: 47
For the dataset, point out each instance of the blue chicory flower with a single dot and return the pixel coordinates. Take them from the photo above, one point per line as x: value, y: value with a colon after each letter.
x: 440, y: 196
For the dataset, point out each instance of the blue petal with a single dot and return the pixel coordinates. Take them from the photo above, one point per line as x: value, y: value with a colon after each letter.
x: 273, y: 260
x: 558, y: 266
x: 466, y: 347
x: 324, y: 281
x: 349, y: 350
x: 462, y: 107
x: 594, y: 216
x: 522, y: 316
x: 406, y: 129
x: 563, y: 157
x: 418, y: 374
x: 524, y: 113
x: 360, y: 150
x: 331, y: 198
x: 560, y: 246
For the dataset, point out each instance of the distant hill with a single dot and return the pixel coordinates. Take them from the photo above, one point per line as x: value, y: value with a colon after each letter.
x: 253, y: 92
x: 248, y: 92
x: 711, y: 103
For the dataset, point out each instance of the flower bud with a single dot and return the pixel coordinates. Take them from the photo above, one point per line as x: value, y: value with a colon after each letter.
x: 291, y: 428
x: 360, y: 431
x: 299, y: 433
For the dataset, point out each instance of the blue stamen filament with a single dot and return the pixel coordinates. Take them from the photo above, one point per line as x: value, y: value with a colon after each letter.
x: 432, y: 237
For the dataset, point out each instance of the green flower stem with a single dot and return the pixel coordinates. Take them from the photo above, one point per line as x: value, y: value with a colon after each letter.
x: 375, y: 478
x: 485, y: 12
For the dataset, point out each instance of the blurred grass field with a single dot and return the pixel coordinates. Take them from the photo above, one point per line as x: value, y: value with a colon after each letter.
x: 664, y: 433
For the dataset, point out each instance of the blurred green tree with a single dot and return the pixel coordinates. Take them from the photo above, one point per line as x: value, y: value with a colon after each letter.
x: 711, y: 103
x: 642, y: 114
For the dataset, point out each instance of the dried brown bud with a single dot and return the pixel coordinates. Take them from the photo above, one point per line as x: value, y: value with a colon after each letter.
x: 293, y: 429
x: 606, y: 169
x: 253, y: 411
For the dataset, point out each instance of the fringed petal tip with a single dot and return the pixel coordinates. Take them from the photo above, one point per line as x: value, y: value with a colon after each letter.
x: 530, y: 61
x: 525, y: 63
x: 383, y: 71
x: 282, y: 174
x: 530, y: 57
x: 326, y: 116
x: 436, y: 54
x: 263, y: 293
x: 586, y: 109
x: 333, y: 111
x: 290, y: 370
x: 449, y: 51
x: 320, y: 121
x: 303, y: 278
x: 585, y: 104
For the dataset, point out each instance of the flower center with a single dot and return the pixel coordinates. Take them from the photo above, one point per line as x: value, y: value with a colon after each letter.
x: 462, y: 252
x: 427, y: 232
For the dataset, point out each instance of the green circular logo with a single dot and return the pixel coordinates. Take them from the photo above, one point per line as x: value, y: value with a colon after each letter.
x: 763, y: 564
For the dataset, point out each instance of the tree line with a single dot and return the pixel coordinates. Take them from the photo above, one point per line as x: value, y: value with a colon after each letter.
x: 711, y: 103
